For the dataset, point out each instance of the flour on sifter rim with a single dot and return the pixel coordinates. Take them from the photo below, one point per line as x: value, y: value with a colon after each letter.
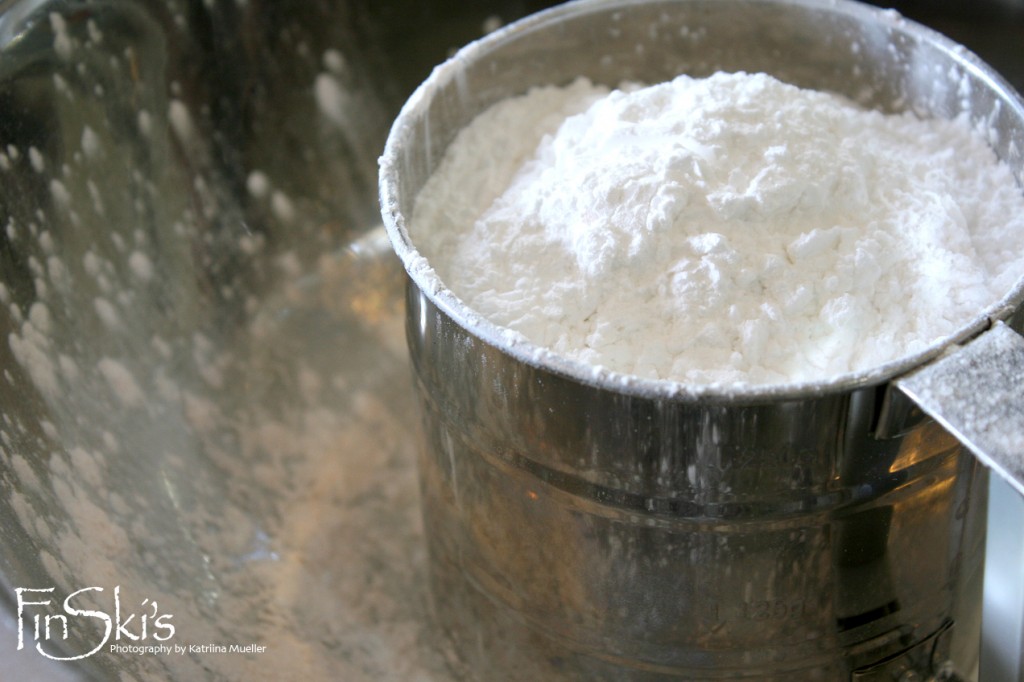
x: 728, y: 229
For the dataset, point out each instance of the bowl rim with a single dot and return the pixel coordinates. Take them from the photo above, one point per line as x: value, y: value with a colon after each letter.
x: 423, y: 276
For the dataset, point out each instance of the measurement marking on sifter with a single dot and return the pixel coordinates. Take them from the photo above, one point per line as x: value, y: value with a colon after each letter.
x: 774, y: 609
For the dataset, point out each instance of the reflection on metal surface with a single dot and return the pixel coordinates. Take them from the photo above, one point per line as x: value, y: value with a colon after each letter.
x: 921, y: 443
x: 204, y: 393
x: 1003, y: 635
x: 929, y: 654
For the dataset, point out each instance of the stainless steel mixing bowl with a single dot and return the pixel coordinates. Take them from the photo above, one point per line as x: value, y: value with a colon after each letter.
x: 582, y: 527
x: 204, y: 392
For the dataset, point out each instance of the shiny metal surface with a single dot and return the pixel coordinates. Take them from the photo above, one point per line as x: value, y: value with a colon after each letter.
x: 1002, y: 627
x: 271, y: 499
x: 204, y: 393
x: 583, y: 527
x: 975, y: 393
x: 637, y: 538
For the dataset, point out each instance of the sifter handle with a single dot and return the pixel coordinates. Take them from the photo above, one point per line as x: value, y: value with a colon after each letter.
x: 977, y: 394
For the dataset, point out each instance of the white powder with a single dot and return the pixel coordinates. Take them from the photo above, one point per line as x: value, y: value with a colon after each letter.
x: 35, y: 157
x: 90, y: 143
x: 181, y: 120
x: 728, y: 229
x: 258, y: 184
x: 60, y: 193
x: 145, y: 122
x: 282, y: 207
x: 141, y: 266
x: 332, y: 99
x: 107, y: 312
x: 334, y: 61
x: 62, y: 44
x: 121, y: 382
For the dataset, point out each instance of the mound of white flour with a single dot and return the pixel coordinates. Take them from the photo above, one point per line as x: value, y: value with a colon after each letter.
x: 728, y: 229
